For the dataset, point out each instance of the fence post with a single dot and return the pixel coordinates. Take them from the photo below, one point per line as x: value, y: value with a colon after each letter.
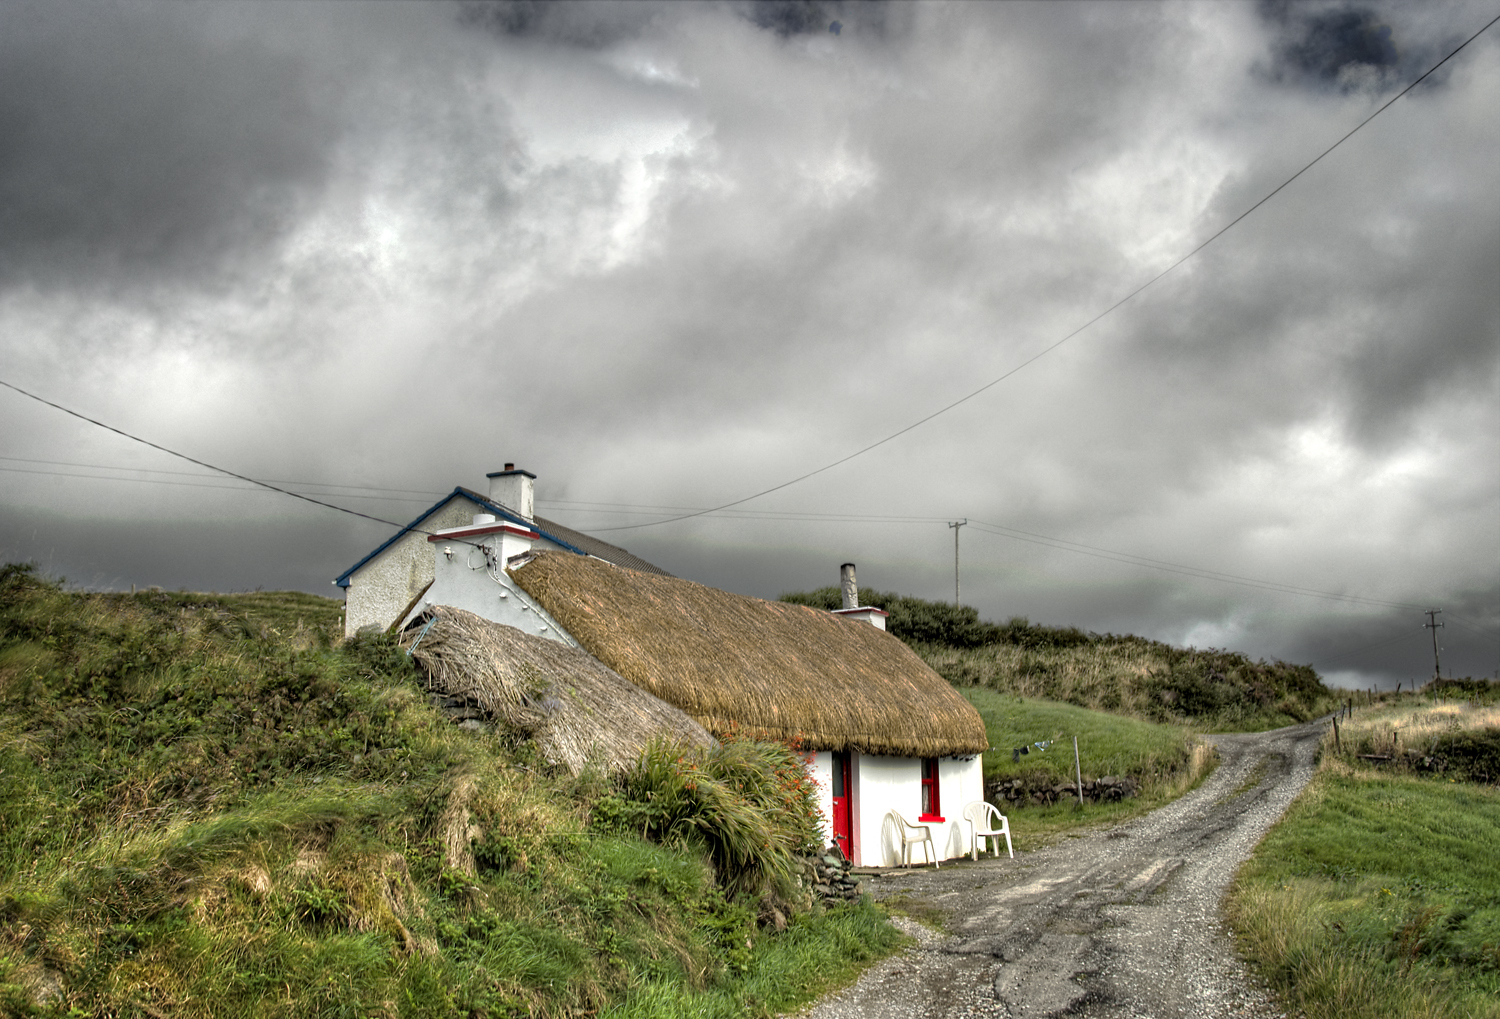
x: 1078, y: 770
x: 1339, y: 747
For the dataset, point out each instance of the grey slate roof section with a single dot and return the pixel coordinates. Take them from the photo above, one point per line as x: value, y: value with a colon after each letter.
x: 579, y: 541
x: 600, y: 549
x: 575, y: 541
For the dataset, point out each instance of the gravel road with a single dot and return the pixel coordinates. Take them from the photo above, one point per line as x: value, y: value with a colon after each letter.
x: 1121, y: 923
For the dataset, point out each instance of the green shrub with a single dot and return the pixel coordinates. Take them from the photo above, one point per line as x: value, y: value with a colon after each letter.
x: 919, y: 621
x: 748, y: 805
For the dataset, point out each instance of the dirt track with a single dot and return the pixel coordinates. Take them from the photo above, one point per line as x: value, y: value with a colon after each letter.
x: 1122, y: 923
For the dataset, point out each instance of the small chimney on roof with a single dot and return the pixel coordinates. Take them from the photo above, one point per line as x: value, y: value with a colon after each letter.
x: 514, y: 490
x: 848, y: 586
x: 852, y: 609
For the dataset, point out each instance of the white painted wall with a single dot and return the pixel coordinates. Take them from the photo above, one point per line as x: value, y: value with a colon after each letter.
x: 960, y: 782
x: 475, y: 581
x: 385, y: 585
x: 883, y: 784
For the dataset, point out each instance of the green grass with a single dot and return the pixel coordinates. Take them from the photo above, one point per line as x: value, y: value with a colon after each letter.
x: 1165, y: 759
x: 814, y: 955
x: 211, y: 807
x: 1378, y: 894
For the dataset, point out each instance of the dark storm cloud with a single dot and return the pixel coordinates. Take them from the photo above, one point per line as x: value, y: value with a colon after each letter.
x: 136, y: 145
x: 1343, y: 47
x: 569, y: 22
x: 812, y: 17
x: 593, y: 25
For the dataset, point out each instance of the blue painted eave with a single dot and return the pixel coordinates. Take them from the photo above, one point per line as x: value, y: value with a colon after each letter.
x: 474, y: 497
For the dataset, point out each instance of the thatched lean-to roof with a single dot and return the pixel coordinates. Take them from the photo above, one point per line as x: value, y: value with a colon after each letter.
x: 574, y: 707
x: 790, y: 670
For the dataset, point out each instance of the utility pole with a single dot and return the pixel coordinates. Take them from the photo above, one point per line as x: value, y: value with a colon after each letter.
x: 956, y: 525
x: 1432, y: 624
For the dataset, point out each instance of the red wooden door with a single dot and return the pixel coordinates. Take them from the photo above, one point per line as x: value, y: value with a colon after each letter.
x: 842, y: 818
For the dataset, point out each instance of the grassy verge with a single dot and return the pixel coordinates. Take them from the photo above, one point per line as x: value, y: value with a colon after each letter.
x: 1165, y: 760
x: 1378, y: 895
x: 209, y: 807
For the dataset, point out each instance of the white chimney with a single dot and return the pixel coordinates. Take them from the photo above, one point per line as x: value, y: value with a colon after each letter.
x: 852, y: 609
x: 848, y: 586
x: 513, y: 489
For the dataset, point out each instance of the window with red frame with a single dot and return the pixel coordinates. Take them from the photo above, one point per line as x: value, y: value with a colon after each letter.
x: 931, y: 802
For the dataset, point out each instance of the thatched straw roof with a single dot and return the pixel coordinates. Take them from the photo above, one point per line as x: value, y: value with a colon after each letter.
x: 792, y: 671
x: 576, y: 709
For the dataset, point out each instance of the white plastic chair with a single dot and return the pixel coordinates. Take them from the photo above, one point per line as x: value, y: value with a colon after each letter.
x: 912, y: 835
x: 979, y: 814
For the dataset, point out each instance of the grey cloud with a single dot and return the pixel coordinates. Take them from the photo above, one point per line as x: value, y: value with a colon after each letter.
x: 1337, y: 45
x: 134, y: 144
x: 817, y: 17
x: 660, y: 254
x: 567, y: 22
x: 594, y: 25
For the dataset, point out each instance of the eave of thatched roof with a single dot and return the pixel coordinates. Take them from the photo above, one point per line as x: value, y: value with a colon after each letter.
x: 573, y: 706
x: 790, y: 670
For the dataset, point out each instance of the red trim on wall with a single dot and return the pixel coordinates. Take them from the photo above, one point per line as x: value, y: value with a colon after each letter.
x: 470, y: 532
x: 843, y: 827
x: 931, y: 792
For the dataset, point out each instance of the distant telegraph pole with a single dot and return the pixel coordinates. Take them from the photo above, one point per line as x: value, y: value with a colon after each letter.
x: 1432, y: 624
x: 956, y: 525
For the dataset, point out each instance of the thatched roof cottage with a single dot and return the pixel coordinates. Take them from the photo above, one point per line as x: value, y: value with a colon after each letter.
x: 884, y: 731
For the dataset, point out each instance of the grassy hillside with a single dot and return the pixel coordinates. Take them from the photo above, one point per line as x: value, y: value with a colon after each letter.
x: 1162, y: 761
x: 1211, y: 689
x: 1378, y: 895
x: 209, y: 807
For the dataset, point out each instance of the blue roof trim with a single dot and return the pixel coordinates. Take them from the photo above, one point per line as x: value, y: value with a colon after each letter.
x: 474, y: 497
x: 501, y: 511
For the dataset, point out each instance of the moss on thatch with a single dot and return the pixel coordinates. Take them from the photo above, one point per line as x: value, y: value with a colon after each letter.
x: 575, y: 708
x: 794, y: 672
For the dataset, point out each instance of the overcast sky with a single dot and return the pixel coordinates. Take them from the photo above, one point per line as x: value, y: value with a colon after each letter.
x: 669, y: 255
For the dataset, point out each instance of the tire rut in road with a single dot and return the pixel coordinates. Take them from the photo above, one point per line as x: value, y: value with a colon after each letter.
x: 1123, y: 923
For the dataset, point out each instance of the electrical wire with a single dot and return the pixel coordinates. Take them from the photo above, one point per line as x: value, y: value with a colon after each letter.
x: 188, y: 484
x: 1472, y: 626
x: 212, y: 467
x: 984, y: 526
x: 1058, y: 343
x: 190, y: 474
